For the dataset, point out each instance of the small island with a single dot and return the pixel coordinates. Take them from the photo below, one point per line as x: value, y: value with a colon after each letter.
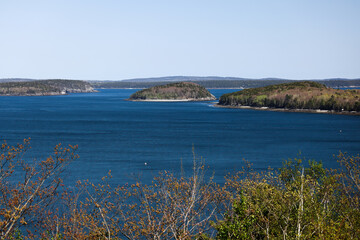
x: 180, y: 91
x: 44, y: 88
x: 303, y: 96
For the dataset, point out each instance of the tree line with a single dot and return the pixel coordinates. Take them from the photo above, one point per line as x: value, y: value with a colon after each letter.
x: 44, y: 87
x: 298, y: 95
x: 222, y: 83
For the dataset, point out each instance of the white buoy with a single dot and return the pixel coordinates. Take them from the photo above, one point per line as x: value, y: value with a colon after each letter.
x: 145, y: 163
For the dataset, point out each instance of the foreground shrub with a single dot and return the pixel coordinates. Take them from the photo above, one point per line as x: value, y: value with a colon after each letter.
x: 296, y: 201
x: 27, y: 188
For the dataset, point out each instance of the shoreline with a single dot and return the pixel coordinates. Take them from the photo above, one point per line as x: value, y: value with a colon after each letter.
x: 146, y: 88
x: 62, y: 93
x: 170, y: 100
x: 235, y: 88
x: 289, y: 110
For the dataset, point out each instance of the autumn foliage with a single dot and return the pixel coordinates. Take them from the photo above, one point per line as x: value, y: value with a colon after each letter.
x: 27, y: 188
x: 298, y: 201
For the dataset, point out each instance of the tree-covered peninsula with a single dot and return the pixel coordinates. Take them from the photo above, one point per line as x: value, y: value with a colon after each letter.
x: 181, y: 91
x: 44, y: 88
x: 298, y: 95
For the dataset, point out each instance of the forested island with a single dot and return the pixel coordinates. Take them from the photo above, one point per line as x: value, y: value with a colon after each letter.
x: 182, y: 91
x: 305, y: 95
x: 44, y: 87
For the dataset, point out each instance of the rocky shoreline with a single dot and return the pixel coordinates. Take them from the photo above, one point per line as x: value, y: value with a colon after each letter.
x: 289, y: 110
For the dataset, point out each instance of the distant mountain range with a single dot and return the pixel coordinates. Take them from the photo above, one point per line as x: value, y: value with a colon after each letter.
x: 218, y: 82
x: 216, y: 78
x: 17, y: 79
x: 184, y: 79
x: 207, y: 82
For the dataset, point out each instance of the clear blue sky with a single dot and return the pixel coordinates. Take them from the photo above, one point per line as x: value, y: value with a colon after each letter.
x: 111, y: 40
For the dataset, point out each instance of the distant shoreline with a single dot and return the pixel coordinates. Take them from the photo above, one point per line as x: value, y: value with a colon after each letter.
x: 145, y: 88
x: 169, y: 100
x: 348, y: 87
x: 290, y: 110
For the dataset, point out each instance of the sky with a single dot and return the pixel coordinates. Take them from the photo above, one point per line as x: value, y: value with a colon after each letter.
x: 114, y: 40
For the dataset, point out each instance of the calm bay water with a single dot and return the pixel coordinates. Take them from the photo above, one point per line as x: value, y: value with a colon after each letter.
x: 139, y: 139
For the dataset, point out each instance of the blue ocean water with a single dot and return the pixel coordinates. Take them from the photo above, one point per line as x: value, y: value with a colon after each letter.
x: 136, y: 140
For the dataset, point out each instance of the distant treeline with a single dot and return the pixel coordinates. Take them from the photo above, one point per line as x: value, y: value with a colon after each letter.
x: 295, y: 95
x: 44, y: 87
x: 207, y: 82
x: 223, y: 83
